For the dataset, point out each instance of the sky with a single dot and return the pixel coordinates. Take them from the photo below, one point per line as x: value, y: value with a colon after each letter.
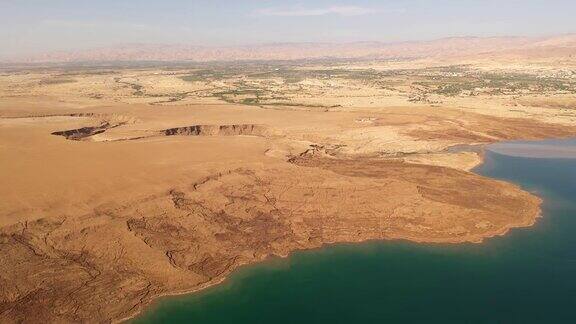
x: 38, y: 26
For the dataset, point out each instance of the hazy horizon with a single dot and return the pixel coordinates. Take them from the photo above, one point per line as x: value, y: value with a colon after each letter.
x: 30, y: 27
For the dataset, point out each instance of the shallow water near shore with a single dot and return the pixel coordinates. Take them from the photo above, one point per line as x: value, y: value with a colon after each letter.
x: 526, y: 276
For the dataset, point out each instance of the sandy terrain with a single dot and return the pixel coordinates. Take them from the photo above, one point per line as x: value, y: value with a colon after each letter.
x: 120, y: 185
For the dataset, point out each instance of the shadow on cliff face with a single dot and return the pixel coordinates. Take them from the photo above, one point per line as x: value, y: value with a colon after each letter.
x: 85, y: 132
x: 219, y: 130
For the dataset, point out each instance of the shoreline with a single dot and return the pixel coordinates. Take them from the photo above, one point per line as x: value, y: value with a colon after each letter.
x: 474, y: 239
x: 324, y: 246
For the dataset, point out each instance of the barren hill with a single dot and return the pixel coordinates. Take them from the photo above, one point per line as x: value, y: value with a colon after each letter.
x: 556, y: 46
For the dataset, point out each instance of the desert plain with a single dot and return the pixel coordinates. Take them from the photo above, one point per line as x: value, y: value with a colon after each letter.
x: 123, y: 182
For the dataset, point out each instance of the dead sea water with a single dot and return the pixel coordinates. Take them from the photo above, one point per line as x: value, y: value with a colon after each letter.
x: 526, y: 276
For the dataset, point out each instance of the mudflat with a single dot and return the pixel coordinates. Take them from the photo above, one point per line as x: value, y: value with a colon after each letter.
x: 121, y: 184
x: 558, y: 150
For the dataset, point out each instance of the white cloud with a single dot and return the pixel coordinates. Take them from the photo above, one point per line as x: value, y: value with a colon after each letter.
x: 333, y: 10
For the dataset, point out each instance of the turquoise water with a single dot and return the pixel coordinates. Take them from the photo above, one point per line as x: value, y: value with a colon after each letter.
x: 527, y: 276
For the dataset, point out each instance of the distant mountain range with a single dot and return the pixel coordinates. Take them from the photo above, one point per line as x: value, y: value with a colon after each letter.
x: 482, y: 47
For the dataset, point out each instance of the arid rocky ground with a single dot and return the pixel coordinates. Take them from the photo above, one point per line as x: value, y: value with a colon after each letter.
x: 122, y: 184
